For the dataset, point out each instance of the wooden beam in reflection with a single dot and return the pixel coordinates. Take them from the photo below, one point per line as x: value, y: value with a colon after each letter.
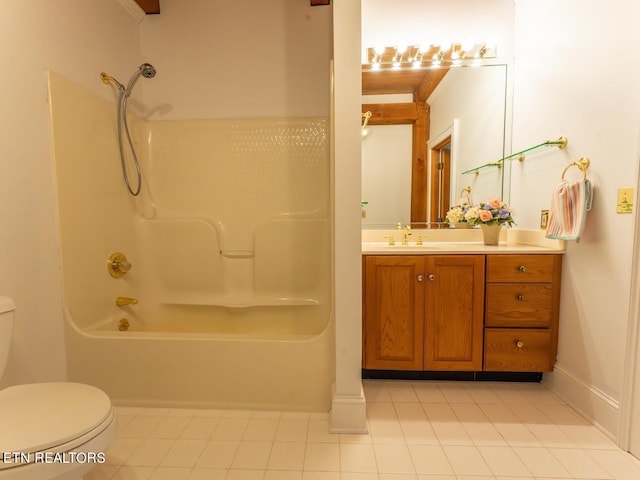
x: 149, y: 6
x: 419, y: 166
x: 391, y: 113
x: 429, y: 84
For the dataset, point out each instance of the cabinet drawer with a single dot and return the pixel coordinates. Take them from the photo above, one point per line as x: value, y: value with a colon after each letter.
x: 517, y: 350
x: 521, y: 268
x: 519, y: 305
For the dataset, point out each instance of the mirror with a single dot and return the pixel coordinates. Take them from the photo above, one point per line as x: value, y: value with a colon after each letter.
x: 418, y: 158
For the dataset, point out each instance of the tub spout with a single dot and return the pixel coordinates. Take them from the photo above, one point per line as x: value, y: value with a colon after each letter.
x: 122, y: 301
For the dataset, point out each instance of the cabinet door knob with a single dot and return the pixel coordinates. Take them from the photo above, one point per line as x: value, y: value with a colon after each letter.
x: 520, y: 298
x: 519, y: 344
x: 431, y: 277
x: 420, y: 278
x: 522, y: 268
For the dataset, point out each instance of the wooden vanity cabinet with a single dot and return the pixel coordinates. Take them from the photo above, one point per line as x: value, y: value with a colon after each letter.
x: 423, y: 312
x: 494, y: 313
x: 521, y: 312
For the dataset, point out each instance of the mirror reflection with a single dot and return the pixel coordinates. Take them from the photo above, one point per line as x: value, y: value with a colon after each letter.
x: 427, y: 129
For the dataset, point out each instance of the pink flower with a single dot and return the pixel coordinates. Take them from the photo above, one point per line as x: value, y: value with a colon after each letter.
x: 495, y: 203
x: 485, y: 215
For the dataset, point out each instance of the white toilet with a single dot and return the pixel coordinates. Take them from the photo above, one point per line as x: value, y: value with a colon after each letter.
x: 50, y: 430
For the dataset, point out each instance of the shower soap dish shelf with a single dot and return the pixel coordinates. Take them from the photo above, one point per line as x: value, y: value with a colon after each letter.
x: 244, y: 301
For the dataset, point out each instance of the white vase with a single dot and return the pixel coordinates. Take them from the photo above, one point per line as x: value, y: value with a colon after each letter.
x: 491, y: 234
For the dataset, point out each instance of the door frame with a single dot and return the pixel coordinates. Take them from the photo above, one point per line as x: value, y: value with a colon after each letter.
x: 628, y: 437
x: 452, y: 133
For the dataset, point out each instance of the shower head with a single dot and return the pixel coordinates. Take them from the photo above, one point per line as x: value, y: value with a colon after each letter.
x: 146, y: 70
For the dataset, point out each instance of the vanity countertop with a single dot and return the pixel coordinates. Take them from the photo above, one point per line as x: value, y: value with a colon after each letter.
x: 448, y: 242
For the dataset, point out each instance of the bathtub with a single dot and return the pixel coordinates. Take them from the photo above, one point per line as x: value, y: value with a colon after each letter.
x: 205, y: 370
x: 230, y: 246
x: 263, y: 340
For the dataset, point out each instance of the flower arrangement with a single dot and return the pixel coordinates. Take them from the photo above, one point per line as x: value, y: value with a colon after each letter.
x: 457, y: 213
x: 494, y: 212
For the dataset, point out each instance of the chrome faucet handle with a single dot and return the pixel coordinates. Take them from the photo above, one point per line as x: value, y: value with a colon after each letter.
x: 419, y: 240
x: 390, y: 239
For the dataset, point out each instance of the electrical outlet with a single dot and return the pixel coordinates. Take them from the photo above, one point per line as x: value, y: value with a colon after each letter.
x: 625, y: 200
x: 544, y: 218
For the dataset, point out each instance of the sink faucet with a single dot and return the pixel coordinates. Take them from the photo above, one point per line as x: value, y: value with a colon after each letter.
x: 406, y: 231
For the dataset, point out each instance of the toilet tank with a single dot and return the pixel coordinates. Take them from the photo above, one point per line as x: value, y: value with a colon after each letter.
x: 7, y: 308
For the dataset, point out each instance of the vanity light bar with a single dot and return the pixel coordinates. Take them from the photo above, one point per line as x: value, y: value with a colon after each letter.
x: 416, y: 56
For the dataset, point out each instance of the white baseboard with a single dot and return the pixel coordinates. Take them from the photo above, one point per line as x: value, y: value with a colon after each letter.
x: 348, y: 413
x: 592, y: 403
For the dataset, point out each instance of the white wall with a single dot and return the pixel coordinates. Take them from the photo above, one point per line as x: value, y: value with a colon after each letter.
x: 476, y: 98
x: 392, y: 22
x: 562, y: 87
x: 78, y: 39
x: 348, y: 412
x: 238, y: 58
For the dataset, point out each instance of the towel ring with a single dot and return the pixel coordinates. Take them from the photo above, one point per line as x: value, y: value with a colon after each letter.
x: 582, y: 164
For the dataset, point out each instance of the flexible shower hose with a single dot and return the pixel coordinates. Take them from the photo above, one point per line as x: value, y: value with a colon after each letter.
x: 122, y: 123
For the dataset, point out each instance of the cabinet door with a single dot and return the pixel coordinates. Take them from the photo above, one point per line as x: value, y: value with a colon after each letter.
x: 454, y: 312
x: 394, y: 312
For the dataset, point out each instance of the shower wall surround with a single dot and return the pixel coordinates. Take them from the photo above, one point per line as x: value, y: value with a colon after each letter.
x: 253, y: 196
x: 229, y: 243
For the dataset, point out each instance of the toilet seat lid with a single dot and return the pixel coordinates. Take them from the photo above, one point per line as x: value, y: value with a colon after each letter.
x: 40, y: 416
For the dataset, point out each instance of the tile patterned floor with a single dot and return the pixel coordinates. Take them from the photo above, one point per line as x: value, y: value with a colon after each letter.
x: 417, y: 431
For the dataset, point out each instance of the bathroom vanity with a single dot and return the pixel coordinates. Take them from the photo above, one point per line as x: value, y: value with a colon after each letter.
x: 461, y: 306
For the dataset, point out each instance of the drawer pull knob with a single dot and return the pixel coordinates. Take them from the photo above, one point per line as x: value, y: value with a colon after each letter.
x: 431, y: 277
x: 522, y: 268
x: 420, y: 278
x: 519, y: 344
x: 520, y: 298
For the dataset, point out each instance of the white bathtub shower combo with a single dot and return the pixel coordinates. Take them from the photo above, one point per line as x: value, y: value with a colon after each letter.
x: 229, y: 247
